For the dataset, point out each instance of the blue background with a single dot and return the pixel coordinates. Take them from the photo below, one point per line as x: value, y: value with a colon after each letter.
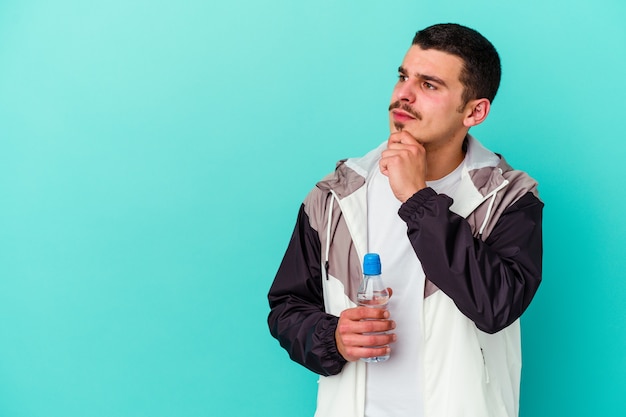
x: 153, y: 156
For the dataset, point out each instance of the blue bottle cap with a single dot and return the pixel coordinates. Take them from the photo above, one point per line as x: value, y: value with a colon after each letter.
x: 371, y: 264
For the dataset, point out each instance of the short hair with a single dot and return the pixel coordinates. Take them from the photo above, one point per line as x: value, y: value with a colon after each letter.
x: 481, y: 70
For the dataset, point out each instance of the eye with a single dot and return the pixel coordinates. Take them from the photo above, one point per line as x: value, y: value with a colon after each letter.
x: 402, y: 77
x: 429, y: 86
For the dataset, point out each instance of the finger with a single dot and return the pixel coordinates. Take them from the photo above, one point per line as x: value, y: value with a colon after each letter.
x: 363, y: 346
x: 350, y: 342
x: 382, y: 164
x: 368, y: 352
x: 374, y: 340
x: 370, y: 338
x: 395, y: 150
x: 354, y: 353
x: 373, y: 326
x: 394, y: 140
x: 366, y: 334
x: 360, y: 313
x: 402, y: 137
x: 350, y: 327
x: 402, y: 150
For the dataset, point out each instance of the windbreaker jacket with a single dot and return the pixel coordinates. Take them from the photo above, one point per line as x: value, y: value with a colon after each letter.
x: 481, y: 251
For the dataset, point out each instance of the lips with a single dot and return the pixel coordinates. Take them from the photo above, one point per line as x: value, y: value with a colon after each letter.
x: 402, y: 112
x: 401, y: 116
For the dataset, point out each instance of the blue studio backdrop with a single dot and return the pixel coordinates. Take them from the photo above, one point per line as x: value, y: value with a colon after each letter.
x: 153, y: 156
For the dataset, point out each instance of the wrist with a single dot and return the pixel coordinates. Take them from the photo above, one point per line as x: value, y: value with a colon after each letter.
x: 414, y: 203
x: 410, y: 194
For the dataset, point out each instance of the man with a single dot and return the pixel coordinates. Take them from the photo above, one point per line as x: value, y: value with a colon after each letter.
x: 459, y: 235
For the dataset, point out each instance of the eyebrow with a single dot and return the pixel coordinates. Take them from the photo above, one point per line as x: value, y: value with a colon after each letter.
x: 426, y: 77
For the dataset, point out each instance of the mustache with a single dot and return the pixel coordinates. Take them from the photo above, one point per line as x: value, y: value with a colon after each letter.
x: 405, y: 107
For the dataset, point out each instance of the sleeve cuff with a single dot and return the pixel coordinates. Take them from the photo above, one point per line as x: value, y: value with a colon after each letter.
x: 415, y: 203
x: 332, y: 361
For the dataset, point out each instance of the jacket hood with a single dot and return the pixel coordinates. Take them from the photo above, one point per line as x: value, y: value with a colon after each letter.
x: 479, y: 169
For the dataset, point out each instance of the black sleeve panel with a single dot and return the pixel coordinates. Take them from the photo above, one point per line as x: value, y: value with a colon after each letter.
x: 491, y: 282
x: 297, y: 317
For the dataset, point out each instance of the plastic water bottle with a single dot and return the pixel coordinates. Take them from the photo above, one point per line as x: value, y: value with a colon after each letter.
x: 373, y: 292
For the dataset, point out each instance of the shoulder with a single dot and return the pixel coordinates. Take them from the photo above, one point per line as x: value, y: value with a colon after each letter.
x: 520, y: 182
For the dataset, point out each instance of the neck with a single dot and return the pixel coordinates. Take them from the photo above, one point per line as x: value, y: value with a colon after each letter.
x: 443, y: 160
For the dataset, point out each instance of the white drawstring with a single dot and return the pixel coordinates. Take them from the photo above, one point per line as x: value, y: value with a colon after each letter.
x: 491, y: 203
x: 328, y: 227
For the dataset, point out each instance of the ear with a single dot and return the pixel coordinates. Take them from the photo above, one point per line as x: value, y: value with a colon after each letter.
x: 476, y: 112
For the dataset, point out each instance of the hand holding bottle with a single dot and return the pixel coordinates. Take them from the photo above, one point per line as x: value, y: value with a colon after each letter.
x: 362, y: 332
x: 353, y: 344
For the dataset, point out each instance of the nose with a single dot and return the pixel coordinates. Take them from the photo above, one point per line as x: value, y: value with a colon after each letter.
x: 405, y: 92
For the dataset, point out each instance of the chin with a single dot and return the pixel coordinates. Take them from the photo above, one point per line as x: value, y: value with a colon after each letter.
x: 395, y: 126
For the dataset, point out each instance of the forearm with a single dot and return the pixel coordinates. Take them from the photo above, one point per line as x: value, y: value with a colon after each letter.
x: 308, y: 336
x: 491, y: 282
x: 297, y: 317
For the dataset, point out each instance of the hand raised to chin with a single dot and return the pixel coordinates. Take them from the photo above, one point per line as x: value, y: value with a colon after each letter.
x: 404, y: 163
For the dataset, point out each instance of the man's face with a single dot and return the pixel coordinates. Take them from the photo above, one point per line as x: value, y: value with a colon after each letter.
x: 427, y: 99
